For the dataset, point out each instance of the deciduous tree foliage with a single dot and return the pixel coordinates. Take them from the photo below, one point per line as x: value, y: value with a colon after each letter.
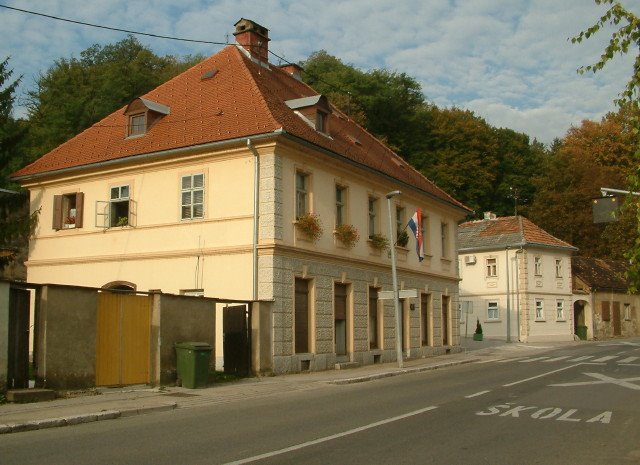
x: 475, y: 162
x: 625, y: 39
x: 75, y: 93
x: 593, y: 155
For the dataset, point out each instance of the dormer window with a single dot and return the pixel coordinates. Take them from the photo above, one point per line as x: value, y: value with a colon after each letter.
x: 137, y: 124
x: 313, y: 110
x: 142, y: 115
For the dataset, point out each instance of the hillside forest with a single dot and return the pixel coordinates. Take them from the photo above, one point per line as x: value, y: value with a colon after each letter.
x: 485, y: 167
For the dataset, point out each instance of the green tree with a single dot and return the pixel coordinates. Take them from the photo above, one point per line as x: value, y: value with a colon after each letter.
x: 75, y: 93
x: 15, y: 221
x: 389, y: 104
x: 625, y: 37
x: 11, y: 130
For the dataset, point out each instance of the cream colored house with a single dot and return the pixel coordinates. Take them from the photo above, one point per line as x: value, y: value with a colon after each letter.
x: 515, y: 279
x: 201, y: 187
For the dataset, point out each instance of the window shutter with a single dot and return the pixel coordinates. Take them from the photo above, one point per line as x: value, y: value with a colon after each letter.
x: 79, y: 209
x: 57, y: 212
x: 606, y: 311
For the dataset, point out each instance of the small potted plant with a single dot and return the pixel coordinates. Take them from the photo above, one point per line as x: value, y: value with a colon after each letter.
x: 378, y: 241
x: 347, y: 234
x: 403, y: 238
x: 309, y: 225
x: 123, y: 221
x: 477, y: 336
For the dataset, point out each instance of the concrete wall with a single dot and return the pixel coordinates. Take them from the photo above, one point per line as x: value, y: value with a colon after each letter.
x: 183, y: 319
x: 66, y: 337
x: 4, y: 334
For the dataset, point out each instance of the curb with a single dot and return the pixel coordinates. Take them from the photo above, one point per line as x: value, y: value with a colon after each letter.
x: 372, y: 377
x: 82, y: 418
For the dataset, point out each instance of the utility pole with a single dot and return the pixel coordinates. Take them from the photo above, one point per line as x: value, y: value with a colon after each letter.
x: 394, y: 277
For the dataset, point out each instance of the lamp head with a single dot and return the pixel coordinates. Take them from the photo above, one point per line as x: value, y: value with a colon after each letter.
x: 393, y: 194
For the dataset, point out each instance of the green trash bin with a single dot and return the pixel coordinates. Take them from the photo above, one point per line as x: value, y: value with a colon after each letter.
x: 581, y: 332
x: 193, y: 363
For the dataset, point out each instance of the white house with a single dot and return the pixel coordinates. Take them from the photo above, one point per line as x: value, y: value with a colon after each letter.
x: 515, y: 280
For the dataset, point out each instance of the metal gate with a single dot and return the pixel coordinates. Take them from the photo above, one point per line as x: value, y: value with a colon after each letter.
x: 123, y: 339
x: 18, y: 363
x: 236, y: 340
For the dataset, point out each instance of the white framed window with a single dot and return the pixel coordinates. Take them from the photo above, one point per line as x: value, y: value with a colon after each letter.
x: 373, y: 216
x: 537, y: 266
x: 400, y: 223
x: 424, y: 227
x: 341, y: 205
x: 493, y: 312
x: 539, y: 310
x: 491, y: 267
x: 627, y: 312
x: 560, y: 310
x: 302, y: 194
x: 444, y: 236
x: 119, y: 206
x: 192, y: 197
x: 558, y: 268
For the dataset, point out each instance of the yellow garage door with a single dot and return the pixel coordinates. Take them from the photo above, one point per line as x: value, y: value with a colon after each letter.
x: 123, y: 339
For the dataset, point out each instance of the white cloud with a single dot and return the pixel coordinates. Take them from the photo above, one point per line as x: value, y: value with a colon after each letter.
x: 509, y: 61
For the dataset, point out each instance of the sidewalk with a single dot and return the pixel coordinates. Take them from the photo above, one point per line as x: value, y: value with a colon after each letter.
x: 110, y: 404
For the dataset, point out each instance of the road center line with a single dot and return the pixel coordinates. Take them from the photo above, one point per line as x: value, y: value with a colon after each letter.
x: 540, y: 376
x: 330, y: 438
x: 476, y: 394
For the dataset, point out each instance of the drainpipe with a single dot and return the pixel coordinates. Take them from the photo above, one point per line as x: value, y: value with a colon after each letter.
x: 508, y: 298
x: 518, y: 294
x: 256, y: 197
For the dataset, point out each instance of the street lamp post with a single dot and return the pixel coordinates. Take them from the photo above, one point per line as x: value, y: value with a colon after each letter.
x: 394, y: 276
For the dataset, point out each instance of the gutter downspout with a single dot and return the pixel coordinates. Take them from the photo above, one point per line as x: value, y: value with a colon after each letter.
x: 521, y: 251
x: 256, y: 212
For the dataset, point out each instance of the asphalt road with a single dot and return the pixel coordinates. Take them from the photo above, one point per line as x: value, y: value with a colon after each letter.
x: 575, y: 405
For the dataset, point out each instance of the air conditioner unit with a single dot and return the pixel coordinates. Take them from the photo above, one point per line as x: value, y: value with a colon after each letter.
x: 470, y: 260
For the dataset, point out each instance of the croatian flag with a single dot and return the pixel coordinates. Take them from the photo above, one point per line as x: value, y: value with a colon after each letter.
x: 415, y: 223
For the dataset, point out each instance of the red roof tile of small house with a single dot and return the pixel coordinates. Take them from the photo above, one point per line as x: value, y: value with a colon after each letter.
x: 241, y: 98
x: 500, y: 232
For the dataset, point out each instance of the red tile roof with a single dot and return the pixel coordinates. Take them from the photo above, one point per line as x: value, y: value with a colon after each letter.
x: 242, y: 99
x: 505, y: 231
x: 599, y: 274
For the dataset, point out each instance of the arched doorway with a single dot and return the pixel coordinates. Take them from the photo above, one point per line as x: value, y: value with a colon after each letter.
x: 580, y: 327
x: 120, y: 286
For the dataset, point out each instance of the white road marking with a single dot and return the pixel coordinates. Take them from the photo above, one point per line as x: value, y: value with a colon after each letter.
x: 556, y: 359
x: 604, y: 379
x: 540, y: 376
x: 476, y: 394
x: 628, y: 359
x: 533, y: 359
x: 621, y: 343
x: 330, y: 438
x: 490, y: 360
x: 605, y: 359
x: 578, y: 359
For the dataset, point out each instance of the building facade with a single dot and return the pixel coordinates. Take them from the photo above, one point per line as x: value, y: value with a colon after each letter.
x: 601, y: 301
x: 236, y: 180
x: 515, y: 280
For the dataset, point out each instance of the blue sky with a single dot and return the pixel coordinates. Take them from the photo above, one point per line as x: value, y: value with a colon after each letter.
x: 509, y: 61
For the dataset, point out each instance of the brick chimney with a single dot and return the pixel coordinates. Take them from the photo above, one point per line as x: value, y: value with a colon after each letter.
x: 293, y: 70
x: 254, y: 38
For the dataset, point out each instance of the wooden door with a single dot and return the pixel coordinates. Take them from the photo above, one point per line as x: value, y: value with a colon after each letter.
x: 301, y: 316
x: 425, y: 302
x: 123, y: 339
x: 236, y: 341
x: 18, y: 356
x: 617, y: 326
x: 340, y: 318
x: 445, y: 320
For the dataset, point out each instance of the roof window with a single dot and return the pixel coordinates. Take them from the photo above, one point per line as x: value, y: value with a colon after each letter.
x: 142, y: 115
x: 315, y: 110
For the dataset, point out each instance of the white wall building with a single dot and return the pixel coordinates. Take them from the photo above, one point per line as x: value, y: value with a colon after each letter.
x: 515, y: 279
